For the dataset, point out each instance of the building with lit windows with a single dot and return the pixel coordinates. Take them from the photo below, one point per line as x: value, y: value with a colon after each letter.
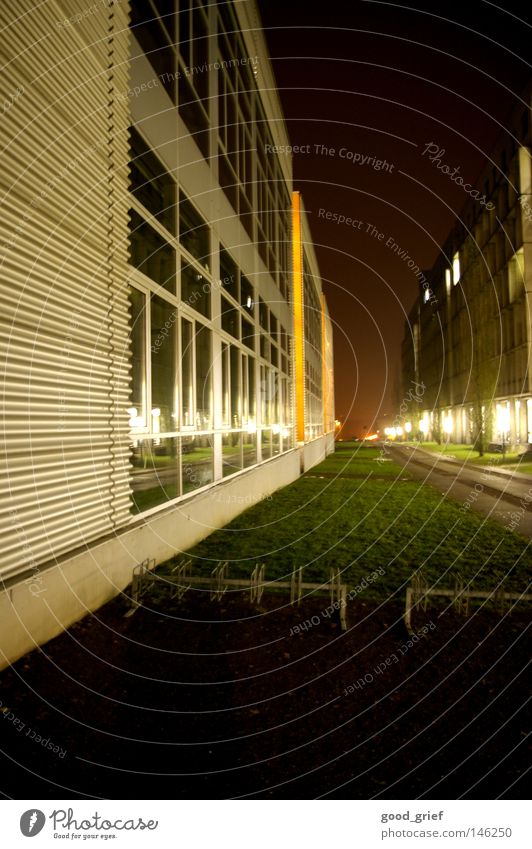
x: 166, y: 345
x: 468, y: 338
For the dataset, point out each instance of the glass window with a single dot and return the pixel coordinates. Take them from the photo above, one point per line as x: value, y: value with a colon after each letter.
x: 236, y: 407
x: 264, y: 347
x: 274, y: 406
x: 203, y: 378
x: 227, y: 181
x: 153, y: 39
x: 248, y: 334
x: 226, y: 386
x: 194, y: 45
x: 231, y: 453
x: 193, y: 232
x: 185, y: 42
x: 265, y: 395
x: 154, y: 477
x: 151, y: 254
x: 151, y: 184
x: 249, y: 449
x: 252, y: 407
x: 263, y: 315
x: 196, y: 462
x: 229, y: 274
x: 195, y: 289
x: 187, y: 373
x: 137, y: 411
x: 230, y: 318
x: 194, y: 113
x: 163, y: 366
x: 166, y: 10
x: 247, y: 296
x: 266, y: 443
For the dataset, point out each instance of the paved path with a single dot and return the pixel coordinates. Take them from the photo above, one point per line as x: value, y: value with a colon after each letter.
x: 502, y: 495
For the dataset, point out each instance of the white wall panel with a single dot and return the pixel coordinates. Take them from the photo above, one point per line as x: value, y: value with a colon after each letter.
x: 64, y: 311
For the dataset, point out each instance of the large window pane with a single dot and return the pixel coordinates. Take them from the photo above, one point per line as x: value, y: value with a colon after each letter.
x: 263, y: 315
x: 163, y: 366
x: 194, y: 113
x: 229, y: 274
x: 247, y: 295
x: 236, y: 405
x: 265, y: 395
x: 195, y: 290
x: 137, y: 410
x: 152, y: 254
x: 226, y: 387
x: 266, y: 444
x: 166, y: 10
x: 231, y: 453
x: 230, y: 318
x: 187, y: 373
x: 248, y: 334
x: 252, y: 407
x: 151, y: 184
x: 154, y: 477
x: 194, y: 43
x: 203, y: 378
x: 196, y: 462
x: 249, y: 453
x: 155, y: 43
x: 193, y: 232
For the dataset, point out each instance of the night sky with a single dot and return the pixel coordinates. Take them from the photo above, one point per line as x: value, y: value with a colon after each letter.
x: 383, y: 80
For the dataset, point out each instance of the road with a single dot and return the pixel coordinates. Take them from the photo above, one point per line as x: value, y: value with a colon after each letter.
x: 504, y: 496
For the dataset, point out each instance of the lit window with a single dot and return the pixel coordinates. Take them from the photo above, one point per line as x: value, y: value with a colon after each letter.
x: 203, y: 378
x: 456, y: 268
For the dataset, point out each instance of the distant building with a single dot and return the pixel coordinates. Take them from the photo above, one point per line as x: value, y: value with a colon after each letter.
x: 468, y: 337
x: 166, y: 345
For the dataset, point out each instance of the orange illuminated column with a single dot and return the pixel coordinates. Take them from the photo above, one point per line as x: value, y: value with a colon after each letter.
x: 324, y: 375
x: 299, y: 330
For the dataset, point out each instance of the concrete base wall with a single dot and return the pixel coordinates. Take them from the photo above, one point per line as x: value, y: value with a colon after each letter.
x: 316, y: 451
x: 35, y: 610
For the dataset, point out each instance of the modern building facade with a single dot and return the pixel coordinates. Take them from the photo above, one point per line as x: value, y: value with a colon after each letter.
x: 166, y: 345
x: 468, y: 338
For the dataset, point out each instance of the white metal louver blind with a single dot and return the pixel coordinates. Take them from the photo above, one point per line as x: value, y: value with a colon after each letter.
x: 64, y: 314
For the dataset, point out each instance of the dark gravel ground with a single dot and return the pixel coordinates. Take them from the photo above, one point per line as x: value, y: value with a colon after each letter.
x: 201, y: 699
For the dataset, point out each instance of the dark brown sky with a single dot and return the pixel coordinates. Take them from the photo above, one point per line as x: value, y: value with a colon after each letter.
x: 384, y: 80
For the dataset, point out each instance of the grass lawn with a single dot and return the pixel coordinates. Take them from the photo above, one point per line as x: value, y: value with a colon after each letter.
x: 466, y: 453
x: 357, y: 514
